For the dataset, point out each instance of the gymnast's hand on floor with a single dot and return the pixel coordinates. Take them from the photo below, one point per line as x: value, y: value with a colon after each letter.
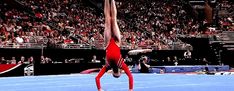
x: 100, y: 90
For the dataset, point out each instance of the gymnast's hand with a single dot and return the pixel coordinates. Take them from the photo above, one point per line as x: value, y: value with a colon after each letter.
x: 100, y: 90
x: 130, y: 90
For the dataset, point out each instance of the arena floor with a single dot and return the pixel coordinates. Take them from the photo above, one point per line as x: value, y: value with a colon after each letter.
x: 142, y: 82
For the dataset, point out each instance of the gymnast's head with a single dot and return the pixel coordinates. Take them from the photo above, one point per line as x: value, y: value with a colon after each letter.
x: 116, y: 71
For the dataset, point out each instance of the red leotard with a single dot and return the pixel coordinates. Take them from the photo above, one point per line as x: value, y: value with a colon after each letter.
x: 113, y: 54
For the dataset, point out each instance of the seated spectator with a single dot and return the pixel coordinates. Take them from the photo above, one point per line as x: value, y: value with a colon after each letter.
x: 94, y: 59
x: 13, y: 60
x: 22, y: 60
x: 43, y: 60
x: 143, y: 65
x: 188, y: 57
x: 169, y: 61
x: 205, y: 61
x: 175, y: 60
x: 19, y: 39
x: 128, y: 61
x: 30, y: 60
x: 27, y: 61
x: 48, y: 60
x: 188, y: 54
x: 3, y: 61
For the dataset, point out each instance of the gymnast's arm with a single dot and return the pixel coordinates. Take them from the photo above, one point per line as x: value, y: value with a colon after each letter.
x: 98, y: 77
x: 130, y: 77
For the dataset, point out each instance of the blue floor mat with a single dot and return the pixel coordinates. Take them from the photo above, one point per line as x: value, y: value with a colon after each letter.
x: 142, y: 82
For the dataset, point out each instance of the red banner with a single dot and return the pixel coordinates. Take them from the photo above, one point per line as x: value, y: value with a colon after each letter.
x: 7, y: 67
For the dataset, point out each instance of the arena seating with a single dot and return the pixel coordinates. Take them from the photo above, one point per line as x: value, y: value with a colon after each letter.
x: 154, y: 23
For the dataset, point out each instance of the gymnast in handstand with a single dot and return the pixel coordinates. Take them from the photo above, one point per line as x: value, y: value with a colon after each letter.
x: 112, y: 38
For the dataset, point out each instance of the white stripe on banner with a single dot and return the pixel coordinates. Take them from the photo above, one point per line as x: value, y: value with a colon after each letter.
x: 10, y: 69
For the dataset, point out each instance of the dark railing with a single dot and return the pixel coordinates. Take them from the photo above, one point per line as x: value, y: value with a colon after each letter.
x: 173, y: 46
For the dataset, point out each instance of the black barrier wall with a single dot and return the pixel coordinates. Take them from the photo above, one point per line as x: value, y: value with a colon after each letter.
x: 85, y: 56
x: 49, y: 69
x: 60, y: 55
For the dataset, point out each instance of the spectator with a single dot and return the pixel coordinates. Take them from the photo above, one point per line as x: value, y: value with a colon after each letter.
x: 128, y: 61
x: 188, y: 54
x: 48, y: 60
x: 204, y: 61
x: 30, y: 60
x: 43, y: 60
x: 143, y: 65
x: 94, y: 59
x: 169, y: 61
x: 19, y: 39
x: 188, y: 57
x: 3, y: 61
x: 175, y: 60
x: 22, y: 60
x: 13, y: 60
x: 27, y: 61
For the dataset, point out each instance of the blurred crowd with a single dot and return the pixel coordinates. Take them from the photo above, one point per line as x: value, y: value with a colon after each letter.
x: 226, y: 16
x: 149, y: 24
x: 25, y: 60
x: 14, y: 60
